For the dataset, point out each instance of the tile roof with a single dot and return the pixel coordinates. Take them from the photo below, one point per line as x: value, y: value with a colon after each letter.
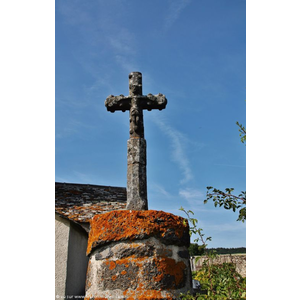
x: 80, y: 202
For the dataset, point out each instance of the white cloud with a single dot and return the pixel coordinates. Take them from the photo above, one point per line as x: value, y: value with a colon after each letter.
x: 190, y: 193
x: 157, y: 188
x: 178, y: 150
x: 123, y: 42
x: 126, y: 63
x: 175, y: 9
x: 194, y: 197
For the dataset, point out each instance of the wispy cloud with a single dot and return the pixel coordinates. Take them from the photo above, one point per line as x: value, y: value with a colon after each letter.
x: 126, y: 63
x: 123, y: 44
x: 194, y: 198
x: 159, y: 189
x: 123, y: 41
x: 175, y: 9
x: 190, y: 193
x: 178, y: 150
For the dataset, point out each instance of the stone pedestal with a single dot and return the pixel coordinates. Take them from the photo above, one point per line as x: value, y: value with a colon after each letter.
x: 136, y: 174
x: 138, y: 255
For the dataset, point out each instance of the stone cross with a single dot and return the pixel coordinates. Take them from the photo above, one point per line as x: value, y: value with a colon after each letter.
x: 136, y: 145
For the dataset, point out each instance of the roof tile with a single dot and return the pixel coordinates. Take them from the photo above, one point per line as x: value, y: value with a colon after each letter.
x: 81, y: 202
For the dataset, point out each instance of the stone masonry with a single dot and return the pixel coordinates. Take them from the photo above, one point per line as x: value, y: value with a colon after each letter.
x: 138, y: 255
x: 136, y: 102
x: 239, y: 260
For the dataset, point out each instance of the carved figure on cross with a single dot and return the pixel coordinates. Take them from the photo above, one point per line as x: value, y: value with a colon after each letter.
x: 136, y: 102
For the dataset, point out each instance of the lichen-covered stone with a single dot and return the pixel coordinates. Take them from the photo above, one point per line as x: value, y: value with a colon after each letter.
x: 164, y: 273
x: 154, y: 276
x: 117, y: 275
x: 140, y: 250
x: 140, y: 264
x: 164, y: 252
x: 133, y: 225
x: 105, y: 253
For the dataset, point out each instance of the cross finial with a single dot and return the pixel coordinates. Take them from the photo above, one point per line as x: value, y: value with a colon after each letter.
x: 136, y: 157
x: 135, y: 84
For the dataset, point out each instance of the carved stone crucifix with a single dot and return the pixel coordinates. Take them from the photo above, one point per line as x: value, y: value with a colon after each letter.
x: 136, y: 145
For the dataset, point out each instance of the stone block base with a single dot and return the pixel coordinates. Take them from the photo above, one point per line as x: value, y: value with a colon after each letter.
x: 153, y: 263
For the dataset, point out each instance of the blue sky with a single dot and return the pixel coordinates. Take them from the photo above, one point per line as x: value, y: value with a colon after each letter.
x: 193, y: 52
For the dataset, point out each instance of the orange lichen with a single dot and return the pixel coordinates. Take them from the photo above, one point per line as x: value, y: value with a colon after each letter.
x: 126, y: 261
x: 141, y: 294
x: 112, y: 265
x: 123, y: 272
x: 169, y: 266
x: 120, y: 225
x: 114, y: 277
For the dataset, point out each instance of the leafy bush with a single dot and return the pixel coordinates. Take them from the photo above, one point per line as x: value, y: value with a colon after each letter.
x: 218, y: 282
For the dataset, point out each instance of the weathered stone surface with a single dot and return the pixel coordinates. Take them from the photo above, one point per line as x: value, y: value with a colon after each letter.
x: 139, y: 250
x: 133, y: 225
x: 164, y: 252
x: 136, y: 102
x: 130, y: 275
x: 105, y: 253
x: 136, y: 175
x: 164, y: 273
x: 147, y: 257
x: 117, y: 275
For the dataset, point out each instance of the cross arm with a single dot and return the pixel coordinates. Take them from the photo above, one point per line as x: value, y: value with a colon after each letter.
x: 150, y: 102
x: 114, y: 103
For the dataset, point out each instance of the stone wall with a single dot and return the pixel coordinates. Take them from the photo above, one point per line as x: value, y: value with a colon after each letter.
x: 238, y: 259
x: 138, y: 255
x: 70, y: 259
x: 62, y: 229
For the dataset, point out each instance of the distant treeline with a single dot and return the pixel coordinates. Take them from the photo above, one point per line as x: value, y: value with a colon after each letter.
x: 195, y: 250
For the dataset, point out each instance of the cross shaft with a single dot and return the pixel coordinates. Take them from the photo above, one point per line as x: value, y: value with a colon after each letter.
x: 136, y: 102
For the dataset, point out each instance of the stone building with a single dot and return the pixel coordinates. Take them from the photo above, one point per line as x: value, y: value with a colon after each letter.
x: 104, y: 251
x: 75, y: 206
